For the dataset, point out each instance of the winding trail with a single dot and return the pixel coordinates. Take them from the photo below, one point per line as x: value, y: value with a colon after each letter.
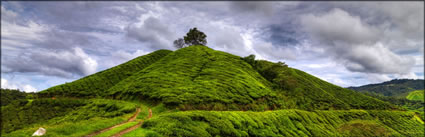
x: 133, y: 127
x: 132, y: 118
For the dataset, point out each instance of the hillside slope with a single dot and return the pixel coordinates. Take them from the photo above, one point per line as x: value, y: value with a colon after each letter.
x: 25, y: 115
x: 96, y: 84
x: 286, y: 123
x: 198, y: 77
x: 396, y: 88
x: 417, y: 95
x: 304, y: 91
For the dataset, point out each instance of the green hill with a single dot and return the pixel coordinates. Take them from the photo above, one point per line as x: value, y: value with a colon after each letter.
x: 98, y: 83
x: 198, y: 77
x: 397, y: 88
x: 416, y: 95
x: 188, y: 92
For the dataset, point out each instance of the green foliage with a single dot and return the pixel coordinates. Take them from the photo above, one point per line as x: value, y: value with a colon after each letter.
x: 366, y: 128
x: 304, y: 91
x: 198, y: 77
x: 179, y: 43
x: 18, y: 115
x: 396, y: 88
x: 96, y: 84
x: 23, y: 114
x: 9, y: 95
x: 140, y: 132
x: 195, y: 37
x: 285, y: 123
x: 70, y: 128
x: 416, y: 95
x: 117, y: 129
x: 410, y: 105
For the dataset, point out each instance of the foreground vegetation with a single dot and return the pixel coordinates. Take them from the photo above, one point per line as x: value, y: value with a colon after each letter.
x: 63, y: 117
x: 10, y: 95
x: 285, y: 123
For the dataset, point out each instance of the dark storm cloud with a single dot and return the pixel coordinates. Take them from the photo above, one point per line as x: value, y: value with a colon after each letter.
x: 62, y: 63
x: 264, y: 8
x: 65, y: 40
x: 153, y: 31
x: 74, y: 15
x: 282, y: 35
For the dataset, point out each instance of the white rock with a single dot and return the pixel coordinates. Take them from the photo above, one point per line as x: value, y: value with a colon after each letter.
x: 41, y: 131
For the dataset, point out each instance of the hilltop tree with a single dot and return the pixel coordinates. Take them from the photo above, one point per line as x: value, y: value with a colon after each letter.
x: 193, y: 37
x: 179, y: 43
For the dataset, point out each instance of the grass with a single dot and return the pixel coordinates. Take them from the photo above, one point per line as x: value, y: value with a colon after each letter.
x: 117, y: 129
x: 140, y: 132
x: 416, y: 95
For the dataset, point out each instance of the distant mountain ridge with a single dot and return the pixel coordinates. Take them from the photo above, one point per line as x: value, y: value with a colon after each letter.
x: 395, y: 88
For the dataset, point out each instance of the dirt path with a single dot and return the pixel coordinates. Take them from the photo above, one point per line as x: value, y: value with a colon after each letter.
x: 133, y: 127
x: 132, y: 118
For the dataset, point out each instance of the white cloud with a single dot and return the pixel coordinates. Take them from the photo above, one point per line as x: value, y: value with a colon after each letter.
x: 23, y: 87
x: 125, y: 56
x: 354, y: 43
x: 338, y: 25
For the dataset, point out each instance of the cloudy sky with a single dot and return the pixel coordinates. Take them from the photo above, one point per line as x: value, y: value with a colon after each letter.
x: 346, y: 43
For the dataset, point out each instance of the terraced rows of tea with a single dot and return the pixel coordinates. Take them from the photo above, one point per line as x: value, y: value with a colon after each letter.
x: 96, y: 84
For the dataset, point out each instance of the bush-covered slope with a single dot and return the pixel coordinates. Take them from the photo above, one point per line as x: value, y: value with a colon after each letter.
x: 198, y: 77
x: 96, y: 84
x: 22, y: 114
x: 304, y: 91
x: 10, y: 95
x: 286, y: 123
x: 417, y: 95
x: 396, y: 88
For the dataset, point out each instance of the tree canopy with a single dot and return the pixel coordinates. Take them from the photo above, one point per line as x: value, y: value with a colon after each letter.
x: 193, y: 37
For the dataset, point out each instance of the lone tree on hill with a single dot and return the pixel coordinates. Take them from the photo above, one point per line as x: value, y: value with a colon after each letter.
x: 193, y: 37
x: 179, y: 43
